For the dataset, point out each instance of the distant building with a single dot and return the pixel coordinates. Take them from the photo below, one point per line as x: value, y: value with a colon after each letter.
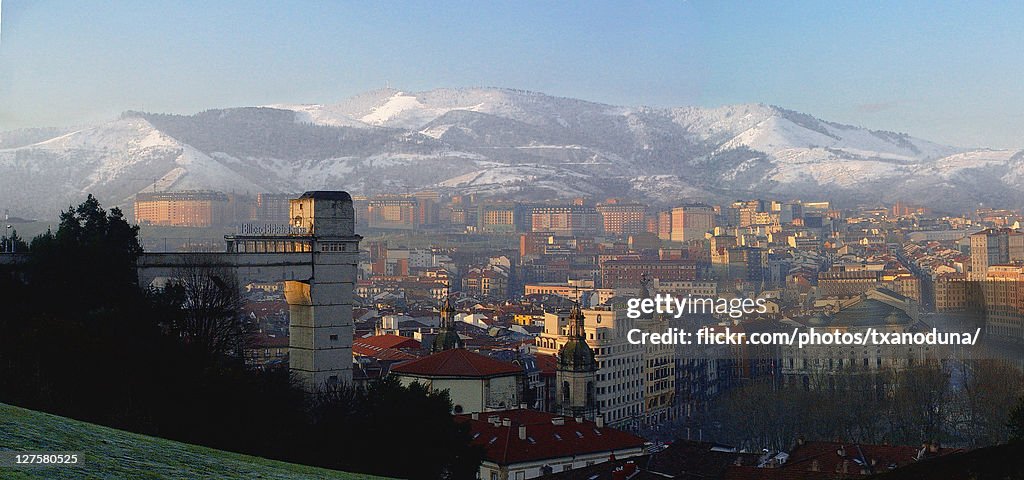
x: 994, y: 246
x: 395, y: 213
x: 691, y: 222
x: 497, y: 218
x: 629, y: 272
x: 567, y: 220
x: 272, y: 208
x: 622, y: 219
x: 181, y: 209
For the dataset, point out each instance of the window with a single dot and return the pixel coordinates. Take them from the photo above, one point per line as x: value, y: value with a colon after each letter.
x: 334, y: 338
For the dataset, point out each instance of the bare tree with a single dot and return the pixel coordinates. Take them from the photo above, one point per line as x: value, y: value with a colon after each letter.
x: 211, y: 303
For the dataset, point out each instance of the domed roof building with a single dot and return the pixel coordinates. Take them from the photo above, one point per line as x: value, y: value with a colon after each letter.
x: 577, y: 372
x: 448, y: 338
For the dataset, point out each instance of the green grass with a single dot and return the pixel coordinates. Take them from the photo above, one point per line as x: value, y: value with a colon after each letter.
x: 116, y: 454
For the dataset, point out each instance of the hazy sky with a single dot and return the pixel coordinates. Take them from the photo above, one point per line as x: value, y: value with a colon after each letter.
x: 952, y: 72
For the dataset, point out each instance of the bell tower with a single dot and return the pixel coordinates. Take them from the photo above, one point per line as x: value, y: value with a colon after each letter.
x: 577, y: 372
x: 448, y: 338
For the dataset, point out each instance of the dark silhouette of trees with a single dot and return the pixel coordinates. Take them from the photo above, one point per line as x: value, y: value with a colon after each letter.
x: 13, y: 243
x: 901, y: 407
x: 210, y: 300
x: 1016, y: 423
x: 79, y: 337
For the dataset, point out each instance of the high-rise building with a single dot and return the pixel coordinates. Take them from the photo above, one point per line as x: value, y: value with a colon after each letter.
x: 272, y: 208
x: 401, y: 213
x: 497, y: 218
x: 622, y: 218
x: 789, y: 212
x: 692, y: 221
x: 994, y: 246
x: 181, y: 209
x: 566, y: 220
x: 665, y: 225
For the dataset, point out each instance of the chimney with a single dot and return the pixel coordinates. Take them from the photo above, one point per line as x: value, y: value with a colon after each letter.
x: 579, y: 419
x: 522, y: 432
x: 505, y: 422
x: 814, y: 466
x: 599, y: 420
x: 522, y: 406
x: 558, y: 421
x: 475, y: 415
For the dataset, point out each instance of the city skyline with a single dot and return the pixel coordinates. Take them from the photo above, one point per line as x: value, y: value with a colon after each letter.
x: 939, y: 72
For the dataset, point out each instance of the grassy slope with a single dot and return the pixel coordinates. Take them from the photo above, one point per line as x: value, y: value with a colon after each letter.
x: 118, y: 454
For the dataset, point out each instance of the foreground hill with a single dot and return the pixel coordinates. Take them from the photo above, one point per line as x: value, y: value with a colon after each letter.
x: 499, y: 141
x: 110, y: 453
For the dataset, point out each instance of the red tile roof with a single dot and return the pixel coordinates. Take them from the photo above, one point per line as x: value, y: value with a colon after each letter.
x: 544, y: 440
x: 389, y: 341
x: 457, y: 363
x: 381, y: 353
x: 547, y: 363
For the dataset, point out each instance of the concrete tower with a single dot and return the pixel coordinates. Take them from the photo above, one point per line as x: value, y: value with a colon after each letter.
x: 320, y: 308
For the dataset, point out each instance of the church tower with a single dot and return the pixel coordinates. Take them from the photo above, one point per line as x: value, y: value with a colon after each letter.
x: 448, y: 338
x: 576, y: 373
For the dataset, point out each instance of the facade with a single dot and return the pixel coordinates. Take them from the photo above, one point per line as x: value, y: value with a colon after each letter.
x: 629, y: 273
x: 815, y: 366
x: 398, y: 213
x: 566, y: 220
x: 571, y: 290
x: 622, y: 219
x: 994, y: 246
x: 665, y: 225
x: 691, y: 222
x: 486, y: 282
x: 272, y: 208
x: 181, y: 209
x: 497, y: 218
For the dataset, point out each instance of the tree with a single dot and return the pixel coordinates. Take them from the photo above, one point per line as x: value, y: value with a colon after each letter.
x: 1016, y: 424
x: 210, y: 301
x: 13, y: 244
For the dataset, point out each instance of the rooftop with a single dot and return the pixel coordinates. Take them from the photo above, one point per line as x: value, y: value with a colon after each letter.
x: 548, y: 436
x: 458, y: 362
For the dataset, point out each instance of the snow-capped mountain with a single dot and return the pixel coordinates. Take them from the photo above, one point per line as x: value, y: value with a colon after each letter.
x: 488, y: 140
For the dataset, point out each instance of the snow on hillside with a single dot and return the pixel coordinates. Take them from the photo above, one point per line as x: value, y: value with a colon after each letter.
x: 113, y: 161
x: 318, y: 114
x: 491, y: 141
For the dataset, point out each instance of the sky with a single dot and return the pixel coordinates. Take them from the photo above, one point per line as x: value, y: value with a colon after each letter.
x: 950, y: 72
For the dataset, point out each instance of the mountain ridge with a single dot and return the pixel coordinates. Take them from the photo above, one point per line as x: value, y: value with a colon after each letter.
x: 497, y: 141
